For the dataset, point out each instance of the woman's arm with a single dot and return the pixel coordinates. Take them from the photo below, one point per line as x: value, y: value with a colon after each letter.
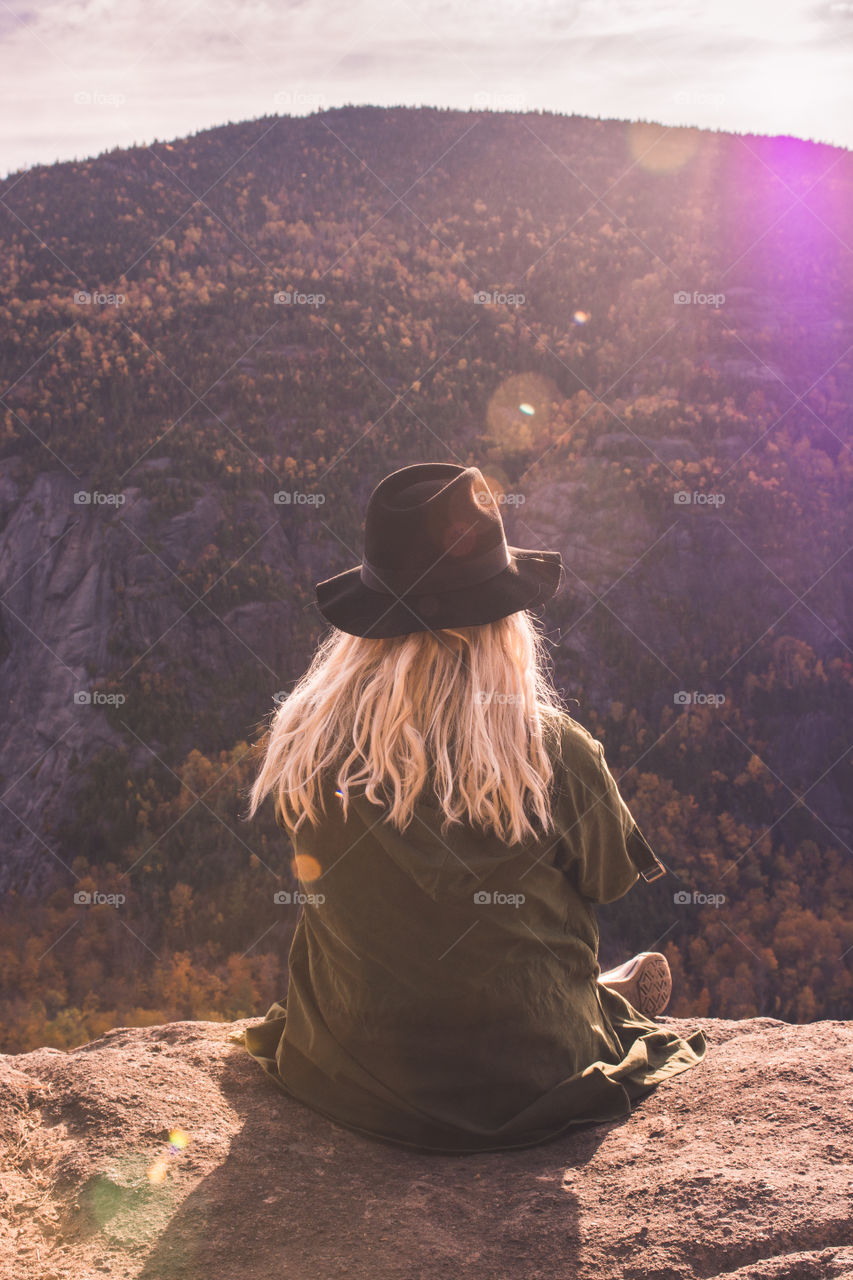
x: 601, y: 848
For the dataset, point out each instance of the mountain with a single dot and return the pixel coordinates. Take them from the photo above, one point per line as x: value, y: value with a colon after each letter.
x: 213, y: 348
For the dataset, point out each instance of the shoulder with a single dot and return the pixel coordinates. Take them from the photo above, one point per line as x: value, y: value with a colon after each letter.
x: 578, y: 754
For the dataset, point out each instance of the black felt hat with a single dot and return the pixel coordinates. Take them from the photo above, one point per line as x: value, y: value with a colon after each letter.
x: 435, y: 555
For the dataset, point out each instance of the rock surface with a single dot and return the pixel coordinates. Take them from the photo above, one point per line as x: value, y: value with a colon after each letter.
x: 76, y: 581
x: 737, y: 1168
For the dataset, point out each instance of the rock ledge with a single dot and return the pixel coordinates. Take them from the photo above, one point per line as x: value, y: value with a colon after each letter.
x: 740, y: 1168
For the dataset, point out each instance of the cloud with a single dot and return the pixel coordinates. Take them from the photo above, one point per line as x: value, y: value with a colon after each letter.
x: 156, y: 68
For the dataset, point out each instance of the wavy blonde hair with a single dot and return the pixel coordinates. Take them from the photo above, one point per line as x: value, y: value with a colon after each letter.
x: 472, y: 705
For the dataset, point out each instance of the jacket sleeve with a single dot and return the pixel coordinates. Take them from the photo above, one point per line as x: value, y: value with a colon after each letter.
x: 600, y: 847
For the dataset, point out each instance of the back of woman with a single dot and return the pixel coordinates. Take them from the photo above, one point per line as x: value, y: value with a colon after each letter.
x: 453, y: 828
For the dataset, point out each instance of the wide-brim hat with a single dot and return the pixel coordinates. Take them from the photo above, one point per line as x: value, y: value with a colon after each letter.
x: 435, y: 555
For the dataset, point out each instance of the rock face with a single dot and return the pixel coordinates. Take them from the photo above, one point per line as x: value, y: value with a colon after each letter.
x: 74, y: 581
x: 737, y: 1168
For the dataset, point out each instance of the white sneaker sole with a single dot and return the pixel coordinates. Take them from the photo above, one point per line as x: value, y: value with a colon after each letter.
x: 644, y: 981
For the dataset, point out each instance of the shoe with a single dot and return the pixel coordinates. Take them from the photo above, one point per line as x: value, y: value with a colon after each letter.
x: 644, y: 981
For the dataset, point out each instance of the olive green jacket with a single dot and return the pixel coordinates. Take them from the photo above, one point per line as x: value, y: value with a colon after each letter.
x: 442, y: 989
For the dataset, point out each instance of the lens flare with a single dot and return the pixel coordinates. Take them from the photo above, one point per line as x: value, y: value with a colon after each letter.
x: 658, y: 149
x: 178, y: 1139
x: 158, y: 1170
x: 519, y: 411
x: 497, y: 483
x: 305, y: 867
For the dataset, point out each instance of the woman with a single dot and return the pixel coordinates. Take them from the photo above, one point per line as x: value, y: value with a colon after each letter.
x: 453, y: 828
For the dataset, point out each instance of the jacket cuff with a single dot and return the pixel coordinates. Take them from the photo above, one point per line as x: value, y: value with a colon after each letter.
x: 643, y: 856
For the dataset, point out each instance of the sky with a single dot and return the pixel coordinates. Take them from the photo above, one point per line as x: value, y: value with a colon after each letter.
x: 78, y: 77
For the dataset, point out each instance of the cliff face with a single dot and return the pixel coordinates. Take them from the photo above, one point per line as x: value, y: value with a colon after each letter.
x: 87, y: 596
x: 738, y: 1168
x: 60, y: 604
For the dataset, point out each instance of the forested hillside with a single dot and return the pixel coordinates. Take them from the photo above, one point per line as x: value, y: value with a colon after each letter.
x: 211, y: 351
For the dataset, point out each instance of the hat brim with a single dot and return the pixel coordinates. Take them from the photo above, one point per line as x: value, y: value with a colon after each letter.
x: 531, y: 578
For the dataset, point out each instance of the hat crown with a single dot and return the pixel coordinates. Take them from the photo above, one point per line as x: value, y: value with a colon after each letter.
x: 432, y: 526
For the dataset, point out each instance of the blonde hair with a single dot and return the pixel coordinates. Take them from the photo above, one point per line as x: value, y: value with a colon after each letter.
x: 474, y: 703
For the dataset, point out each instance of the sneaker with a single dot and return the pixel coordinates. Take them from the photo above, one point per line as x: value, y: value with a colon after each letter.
x: 644, y: 981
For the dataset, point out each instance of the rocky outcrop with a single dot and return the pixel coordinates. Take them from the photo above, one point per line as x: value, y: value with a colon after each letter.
x: 738, y: 1168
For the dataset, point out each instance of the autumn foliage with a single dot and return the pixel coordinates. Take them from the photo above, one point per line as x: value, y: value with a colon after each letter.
x: 598, y: 399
